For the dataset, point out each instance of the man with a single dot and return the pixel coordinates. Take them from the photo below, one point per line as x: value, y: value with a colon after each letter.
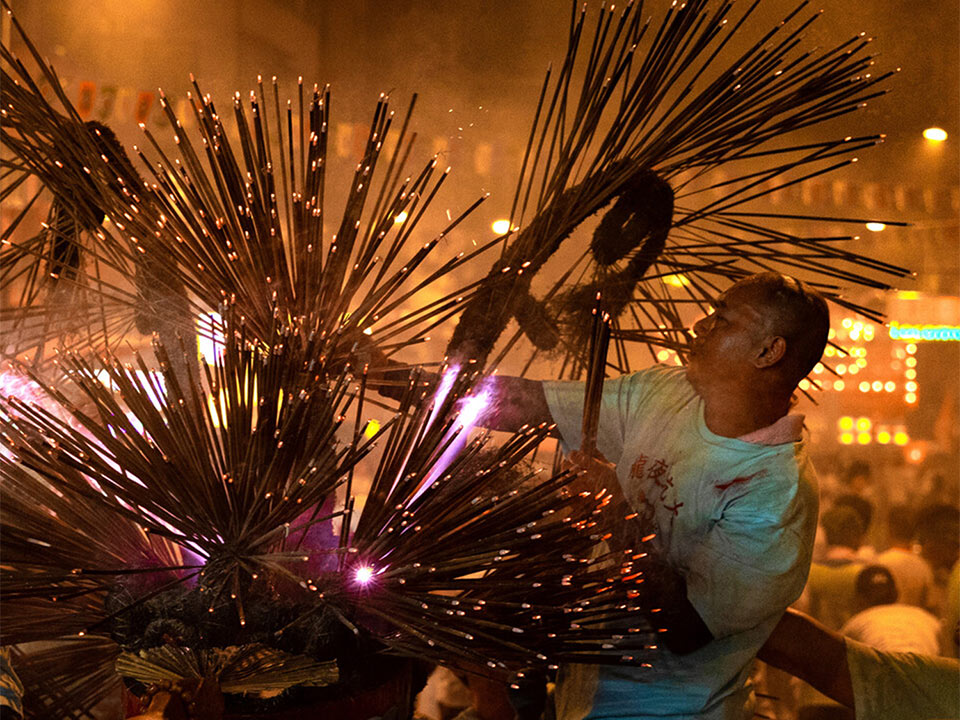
x: 913, y: 574
x: 885, y: 623
x: 831, y: 588
x: 712, y: 457
x: 874, y: 683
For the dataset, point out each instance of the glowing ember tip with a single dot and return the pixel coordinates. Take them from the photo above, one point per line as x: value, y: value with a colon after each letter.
x: 364, y: 574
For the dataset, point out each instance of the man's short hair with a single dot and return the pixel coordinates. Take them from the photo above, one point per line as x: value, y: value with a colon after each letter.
x: 861, y: 506
x: 798, y: 313
x: 842, y: 526
x: 875, y: 586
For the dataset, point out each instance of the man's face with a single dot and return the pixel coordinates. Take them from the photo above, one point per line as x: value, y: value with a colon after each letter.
x: 727, y: 338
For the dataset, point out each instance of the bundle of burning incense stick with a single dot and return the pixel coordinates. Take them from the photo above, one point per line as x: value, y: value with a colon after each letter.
x: 666, y: 93
x: 241, y: 224
x: 596, y: 370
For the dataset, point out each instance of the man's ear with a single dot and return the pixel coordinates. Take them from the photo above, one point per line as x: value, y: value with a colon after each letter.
x: 771, y: 351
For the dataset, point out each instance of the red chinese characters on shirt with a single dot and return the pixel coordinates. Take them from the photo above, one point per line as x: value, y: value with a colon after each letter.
x: 656, y: 483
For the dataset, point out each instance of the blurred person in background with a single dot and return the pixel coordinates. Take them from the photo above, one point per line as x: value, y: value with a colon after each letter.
x: 829, y: 593
x: 913, y: 574
x: 864, y: 510
x: 886, y: 624
x: 938, y: 531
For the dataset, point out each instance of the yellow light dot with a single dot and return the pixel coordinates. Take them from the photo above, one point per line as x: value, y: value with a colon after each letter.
x: 861, y: 362
x: 853, y: 368
x: 829, y: 351
x: 677, y: 281
x: 847, y: 323
x: 910, y: 374
x: 911, y: 348
x: 372, y: 428
x: 818, y: 368
x: 804, y: 384
x: 900, y: 353
x: 911, y: 386
x: 900, y: 438
x: 838, y: 385
x: 831, y: 335
x: 889, y: 386
x: 845, y: 423
x: 864, y: 386
x: 863, y: 438
x: 401, y: 217
x: 876, y: 226
x: 663, y: 355
x: 911, y: 362
x: 864, y: 424
x: 846, y: 438
x: 915, y: 455
x: 883, y: 437
x: 877, y: 386
x: 911, y: 398
x: 935, y: 134
x: 501, y: 227
x: 841, y: 369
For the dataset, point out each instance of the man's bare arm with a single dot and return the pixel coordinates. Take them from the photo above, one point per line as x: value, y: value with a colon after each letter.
x: 810, y: 651
x: 516, y: 402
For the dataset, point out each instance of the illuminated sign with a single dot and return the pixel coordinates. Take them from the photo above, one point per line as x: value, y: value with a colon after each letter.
x: 924, y: 332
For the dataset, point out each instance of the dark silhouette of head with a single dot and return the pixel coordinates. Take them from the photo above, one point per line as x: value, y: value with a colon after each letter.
x: 842, y: 527
x: 861, y: 506
x: 875, y: 586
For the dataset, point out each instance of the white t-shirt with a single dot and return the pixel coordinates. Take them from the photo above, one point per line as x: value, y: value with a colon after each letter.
x: 902, y: 686
x: 895, y: 628
x: 735, y: 518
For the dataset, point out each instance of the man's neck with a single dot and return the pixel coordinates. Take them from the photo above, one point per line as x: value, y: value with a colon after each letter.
x: 734, y: 414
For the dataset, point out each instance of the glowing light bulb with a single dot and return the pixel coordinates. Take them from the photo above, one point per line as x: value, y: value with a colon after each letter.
x: 839, y: 385
x: 677, y: 281
x: 910, y: 374
x: 876, y: 226
x: 372, y: 428
x: 845, y: 423
x: 401, y: 217
x: 663, y: 355
x: 889, y: 386
x: 863, y: 438
x: 864, y: 386
x: 501, y: 227
x: 900, y: 438
x: 911, y: 362
x: 911, y: 398
x: 804, y: 384
x: 364, y: 574
x: 877, y: 386
x: 846, y: 438
x: 910, y: 386
x: 883, y: 437
x: 864, y: 424
x: 935, y: 134
x: 911, y: 348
